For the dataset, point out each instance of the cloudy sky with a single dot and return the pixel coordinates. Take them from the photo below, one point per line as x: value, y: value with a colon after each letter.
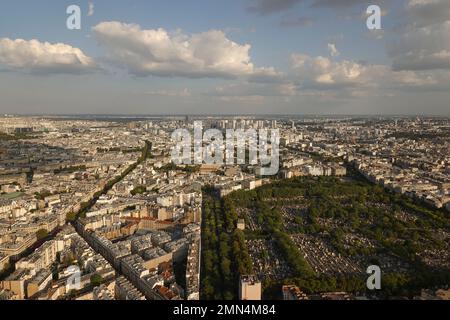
x: 225, y: 57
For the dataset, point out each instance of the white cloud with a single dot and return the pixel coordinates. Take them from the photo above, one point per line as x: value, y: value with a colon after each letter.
x: 333, y: 50
x: 322, y: 73
x: 266, y: 75
x: 43, y: 57
x: 158, y: 52
x: 319, y: 74
x: 327, y: 79
x: 91, y: 9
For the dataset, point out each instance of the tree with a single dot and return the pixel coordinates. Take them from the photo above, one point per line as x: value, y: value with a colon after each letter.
x: 6, y: 267
x: 42, y: 195
x: 71, y: 216
x: 41, y: 234
x: 138, y: 190
x: 96, y: 280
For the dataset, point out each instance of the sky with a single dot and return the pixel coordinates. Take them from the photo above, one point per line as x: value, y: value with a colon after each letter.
x: 225, y: 57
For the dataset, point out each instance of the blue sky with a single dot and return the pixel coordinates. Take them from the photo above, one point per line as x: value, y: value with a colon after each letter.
x: 45, y: 19
x: 288, y: 67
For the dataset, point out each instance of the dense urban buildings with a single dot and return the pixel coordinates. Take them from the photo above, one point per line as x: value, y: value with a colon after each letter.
x: 95, y: 209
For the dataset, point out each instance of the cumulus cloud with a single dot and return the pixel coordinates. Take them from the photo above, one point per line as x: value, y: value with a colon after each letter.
x: 333, y: 50
x: 158, y: 52
x: 300, y: 86
x: 43, y: 57
x: 319, y: 74
x: 266, y: 75
x: 322, y: 73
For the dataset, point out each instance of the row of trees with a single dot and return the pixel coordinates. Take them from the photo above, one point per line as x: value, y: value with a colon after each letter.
x: 70, y: 169
x: 119, y: 149
x: 85, y: 206
x: 173, y: 167
x: 224, y: 254
x: 15, y: 136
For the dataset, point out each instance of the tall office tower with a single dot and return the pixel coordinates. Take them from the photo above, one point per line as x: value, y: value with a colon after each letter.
x: 148, y: 125
x: 249, y: 288
x: 274, y: 124
x: 224, y: 124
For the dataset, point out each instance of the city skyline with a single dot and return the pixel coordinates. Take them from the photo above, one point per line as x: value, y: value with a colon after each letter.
x: 101, y: 208
x: 260, y: 57
x: 222, y: 158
